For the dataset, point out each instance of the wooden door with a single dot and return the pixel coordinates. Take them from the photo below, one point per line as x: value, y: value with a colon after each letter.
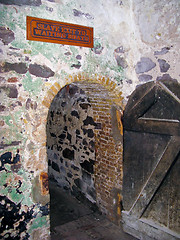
x: 151, y: 165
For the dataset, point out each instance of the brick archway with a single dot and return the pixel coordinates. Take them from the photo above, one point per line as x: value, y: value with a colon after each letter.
x: 110, y: 85
x: 108, y: 145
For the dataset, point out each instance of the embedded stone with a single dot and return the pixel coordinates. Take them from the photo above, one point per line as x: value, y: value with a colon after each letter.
x: 52, y: 114
x: 44, y: 210
x: 144, y: 65
x: 10, y: 90
x: 53, y: 135
x: 89, y: 120
x: 2, y: 108
x: 55, y: 166
x: 67, y: 53
x: 78, y: 65
x: 75, y: 168
x: 92, y: 145
x: 77, y: 132
x: 40, y: 71
x: 69, y: 137
x: 90, y: 133
x: 70, y: 119
x: 2, y: 123
x: 78, y: 182
x: 59, y: 148
x: 164, y: 77
x: 84, y: 131
x: 2, y: 79
x: 97, y: 49
x: 60, y: 142
x: 162, y: 51
x: 13, y: 143
x: 144, y: 78
x: 31, y: 104
x: 78, y: 57
x: 62, y: 169
x: 28, y: 103
x: 80, y: 99
x: 84, y: 142
x: 129, y: 81
x: 119, y: 50
x: 84, y: 105
x: 12, y: 79
x: 164, y: 66
x: 16, y: 159
x: 6, y: 35
x: 69, y: 175
x: 22, y: 2
x: 91, y: 191
x: 13, y: 93
x: 86, y: 177
x: 76, y: 192
x: 75, y: 114
x: 69, y: 154
x: 78, y: 13
x: 121, y: 61
x: 73, y: 89
x: 5, y: 158
x: 88, y: 166
x: 63, y: 104
x: 17, y: 67
x: 62, y: 136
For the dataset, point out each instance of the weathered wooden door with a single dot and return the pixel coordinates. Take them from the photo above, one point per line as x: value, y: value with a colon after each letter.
x: 151, y: 167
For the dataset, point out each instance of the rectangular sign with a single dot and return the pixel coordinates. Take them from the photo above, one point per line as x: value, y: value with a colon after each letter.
x: 58, y: 32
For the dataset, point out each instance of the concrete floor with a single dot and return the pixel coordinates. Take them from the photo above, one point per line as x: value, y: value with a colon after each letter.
x: 73, y: 220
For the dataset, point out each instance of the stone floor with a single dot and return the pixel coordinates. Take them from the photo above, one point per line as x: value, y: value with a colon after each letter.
x: 73, y: 220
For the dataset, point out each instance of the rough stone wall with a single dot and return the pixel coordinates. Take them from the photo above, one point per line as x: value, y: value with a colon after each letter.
x: 70, y: 142
x: 134, y: 41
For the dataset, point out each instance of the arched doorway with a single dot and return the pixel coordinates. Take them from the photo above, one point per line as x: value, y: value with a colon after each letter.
x: 84, y: 144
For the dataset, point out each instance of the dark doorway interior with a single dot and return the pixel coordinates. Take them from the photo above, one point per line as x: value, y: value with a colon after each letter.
x: 72, y: 219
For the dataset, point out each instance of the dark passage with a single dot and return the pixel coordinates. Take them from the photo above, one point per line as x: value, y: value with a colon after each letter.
x: 73, y: 220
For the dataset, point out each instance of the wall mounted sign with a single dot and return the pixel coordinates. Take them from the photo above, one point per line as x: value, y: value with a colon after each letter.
x: 58, y: 32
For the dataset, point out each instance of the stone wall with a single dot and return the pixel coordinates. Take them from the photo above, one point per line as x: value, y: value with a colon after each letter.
x: 134, y: 41
x: 70, y: 141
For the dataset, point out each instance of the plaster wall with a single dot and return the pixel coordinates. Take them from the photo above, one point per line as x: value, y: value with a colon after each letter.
x: 135, y: 41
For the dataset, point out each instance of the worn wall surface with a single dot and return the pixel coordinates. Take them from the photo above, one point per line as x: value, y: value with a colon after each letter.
x: 135, y: 41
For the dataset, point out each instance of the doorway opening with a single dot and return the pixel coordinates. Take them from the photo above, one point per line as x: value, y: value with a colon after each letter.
x: 84, y: 146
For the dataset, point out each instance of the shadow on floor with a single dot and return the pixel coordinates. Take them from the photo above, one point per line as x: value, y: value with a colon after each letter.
x: 73, y: 220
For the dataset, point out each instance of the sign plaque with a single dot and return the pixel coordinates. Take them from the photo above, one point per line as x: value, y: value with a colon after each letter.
x: 59, y: 32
